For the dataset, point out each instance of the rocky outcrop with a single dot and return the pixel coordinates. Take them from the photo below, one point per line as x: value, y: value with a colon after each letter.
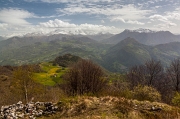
x: 86, y: 107
x: 113, y: 108
x: 30, y: 110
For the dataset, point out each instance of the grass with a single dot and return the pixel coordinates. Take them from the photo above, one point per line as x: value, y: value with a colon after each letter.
x: 51, y: 75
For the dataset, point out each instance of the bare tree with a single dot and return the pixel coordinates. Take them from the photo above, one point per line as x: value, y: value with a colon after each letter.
x: 173, y: 73
x: 154, y: 71
x: 136, y: 75
x: 84, y: 77
x: 148, y: 74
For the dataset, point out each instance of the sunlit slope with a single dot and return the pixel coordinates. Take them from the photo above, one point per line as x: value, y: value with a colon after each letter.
x: 50, y: 74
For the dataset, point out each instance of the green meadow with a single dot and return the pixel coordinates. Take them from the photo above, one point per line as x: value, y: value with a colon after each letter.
x: 50, y: 74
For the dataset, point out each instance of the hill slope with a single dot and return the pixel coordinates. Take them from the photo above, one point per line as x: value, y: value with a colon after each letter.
x: 33, y: 52
x: 119, y: 57
x: 125, y: 54
x: 129, y: 52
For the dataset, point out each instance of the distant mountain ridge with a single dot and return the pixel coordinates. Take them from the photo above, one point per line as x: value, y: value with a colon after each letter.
x: 145, y: 36
x: 130, y: 52
x: 101, y: 35
x: 141, y: 30
x: 125, y: 54
x: 25, y: 50
x: 2, y: 38
x: 114, y: 57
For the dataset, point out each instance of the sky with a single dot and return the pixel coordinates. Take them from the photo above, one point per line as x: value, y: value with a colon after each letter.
x: 19, y: 17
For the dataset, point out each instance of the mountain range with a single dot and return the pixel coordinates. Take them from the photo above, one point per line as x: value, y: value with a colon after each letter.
x: 2, y: 38
x: 116, y: 53
x: 130, y: 52
x: 144, y: 36
x: 22, y: 50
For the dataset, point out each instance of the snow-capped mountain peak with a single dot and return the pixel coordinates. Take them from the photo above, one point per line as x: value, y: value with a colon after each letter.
x: 141, y: 30
x: 34, y: 34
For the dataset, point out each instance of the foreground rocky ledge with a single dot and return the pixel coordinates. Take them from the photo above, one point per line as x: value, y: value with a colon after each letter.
x: 91, y: 108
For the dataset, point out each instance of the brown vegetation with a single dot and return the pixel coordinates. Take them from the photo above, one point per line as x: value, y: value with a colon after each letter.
x: 16, y: 84
x: 112, y: 108
x: 84, y: 77
x: 148, y: 82
x: 148, y: 74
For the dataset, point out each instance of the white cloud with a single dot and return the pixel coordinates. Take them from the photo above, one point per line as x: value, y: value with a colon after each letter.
x: 57, y: 24
x: 128, y: 21
x: 113, y: 12
x: 3, y: 26
x: 135, y: 22
x: 171, y: 24
x: 74, y: 28
x: 102, y: 21
x: 165, y: 25
x: 173, y: 15
x: 158, y: 17
x: 118, y: 19
x: 168, y: 20
x: 15, y: 16
x: 129, y: 14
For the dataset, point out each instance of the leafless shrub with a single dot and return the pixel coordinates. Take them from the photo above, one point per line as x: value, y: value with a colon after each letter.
x: 84, y: 77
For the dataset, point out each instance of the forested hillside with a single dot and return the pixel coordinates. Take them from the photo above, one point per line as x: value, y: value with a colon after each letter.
x: 115, y: 58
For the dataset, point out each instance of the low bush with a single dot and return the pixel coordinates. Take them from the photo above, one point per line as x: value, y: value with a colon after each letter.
x: 142, y: 93
x: 176, y: 99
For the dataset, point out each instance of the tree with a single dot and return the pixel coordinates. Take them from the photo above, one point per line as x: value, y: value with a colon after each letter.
x: 173, y: 73
x: 84, y: 77
x: 23, y: 83
x: 148, y: 74
x: 136, y: 75
x: 154, y: 71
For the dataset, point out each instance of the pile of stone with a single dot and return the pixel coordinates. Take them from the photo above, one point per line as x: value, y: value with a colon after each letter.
x: 30, y: 110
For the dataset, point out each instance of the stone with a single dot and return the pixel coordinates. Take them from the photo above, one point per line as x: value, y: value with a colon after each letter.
x: 31, y: 110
